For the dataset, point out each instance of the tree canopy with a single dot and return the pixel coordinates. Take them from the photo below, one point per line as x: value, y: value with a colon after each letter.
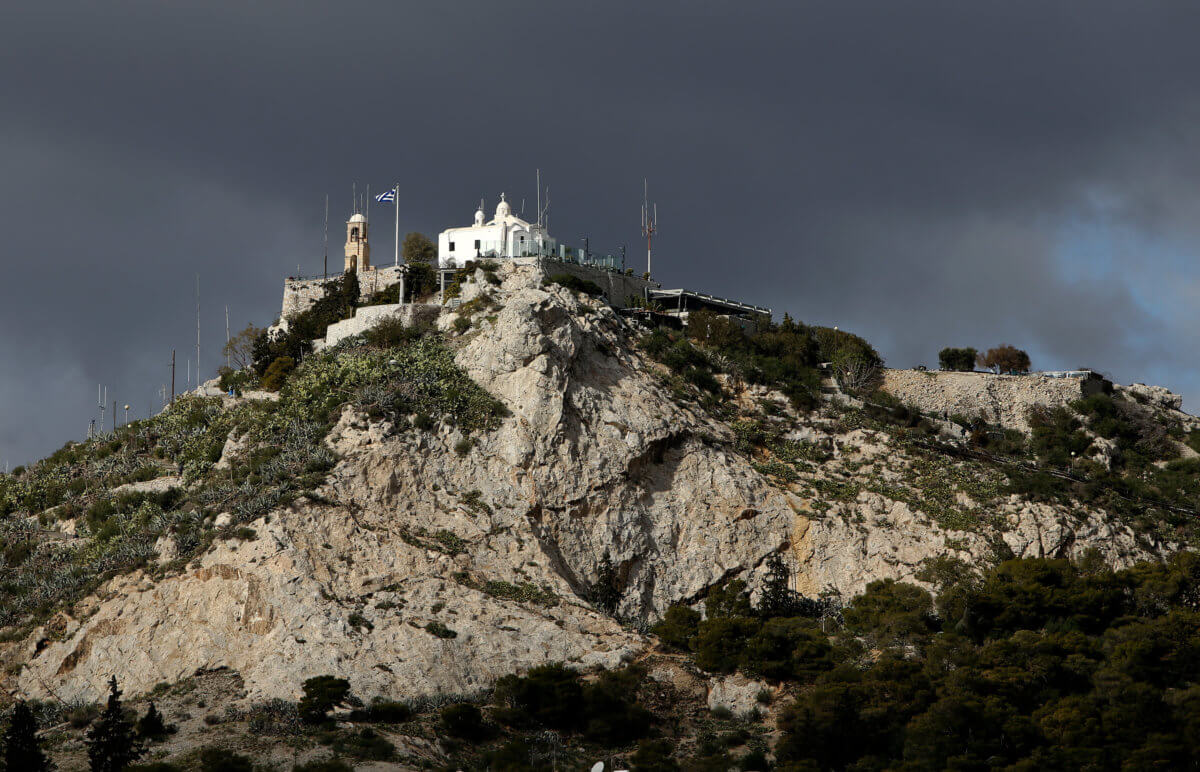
x: 418, y: 248
x: 1005, y: 359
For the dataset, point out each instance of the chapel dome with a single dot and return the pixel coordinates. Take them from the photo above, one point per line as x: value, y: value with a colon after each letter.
x: 503, y: 209
x: 357, y: 217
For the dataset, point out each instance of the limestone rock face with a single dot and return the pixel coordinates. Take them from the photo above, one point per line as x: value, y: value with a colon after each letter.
x: 735, y: 693
x: 424, y: 569
x: 1155, y: 395
x: 878, y: 538
x: 595, y: 457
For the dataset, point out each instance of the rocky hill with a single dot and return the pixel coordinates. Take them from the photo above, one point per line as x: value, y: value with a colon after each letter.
x: 425, y: 512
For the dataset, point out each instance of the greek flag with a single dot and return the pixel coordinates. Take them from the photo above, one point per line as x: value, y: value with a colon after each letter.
x: 387, y: 196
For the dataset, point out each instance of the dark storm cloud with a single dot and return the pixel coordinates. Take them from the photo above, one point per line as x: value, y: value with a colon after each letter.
x: 918, y: 172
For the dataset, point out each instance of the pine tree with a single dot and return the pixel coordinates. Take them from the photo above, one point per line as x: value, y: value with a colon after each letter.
x: 605, y: 594
x: 21, y: 748
x: 110, y: 742
x: 151, y: 726
x: 778, y: 599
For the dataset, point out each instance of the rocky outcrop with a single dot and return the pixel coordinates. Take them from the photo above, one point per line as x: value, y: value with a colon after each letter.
x: 434, y: 563
x: 437, y: 571
x: 875, y: 538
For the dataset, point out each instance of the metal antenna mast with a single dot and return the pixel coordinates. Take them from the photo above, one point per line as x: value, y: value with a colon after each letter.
x: 325, y: 269
x: 227, y: 336
x: 197, y: 329
x: 649, y: 221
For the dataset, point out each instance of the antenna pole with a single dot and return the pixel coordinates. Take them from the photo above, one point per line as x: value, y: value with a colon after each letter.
x: 649, y: 221
x: 227, y: 336
x: 197, y: 329
x: 396, y: 203
x: 172, y: 376
x: 325, y: 269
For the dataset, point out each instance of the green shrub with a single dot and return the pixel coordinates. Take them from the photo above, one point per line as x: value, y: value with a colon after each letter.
x: 277, y: 372
x: 719, y: 643
x: 327, y: 765
x: 606, y: 711
x: 891, y: 612
x: 439, y: 630
x: 575, y: 284
x: 465, y: 722
x: 787, y: 649
x: 549, y: 695
x: 151, y: 725
x: 612, y: 715
x: 514, y: 755
x: 214, y: 759
x: 677, y: 627
x: 462, y: 324
x: 322, y: 694
x: 655, y: 756
x: 392, y: 332
x: 238, y: 380
x: 962, y: 359
x: 366, y: 744
x: 384, y: 712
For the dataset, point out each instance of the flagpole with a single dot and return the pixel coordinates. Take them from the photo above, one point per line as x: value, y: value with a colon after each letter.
x: 396, y: 203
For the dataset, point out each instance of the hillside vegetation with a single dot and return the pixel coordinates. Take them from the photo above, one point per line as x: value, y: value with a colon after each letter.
x: 534, y: 536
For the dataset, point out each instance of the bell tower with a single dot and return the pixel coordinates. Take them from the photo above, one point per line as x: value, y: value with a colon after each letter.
x: 358, y: 249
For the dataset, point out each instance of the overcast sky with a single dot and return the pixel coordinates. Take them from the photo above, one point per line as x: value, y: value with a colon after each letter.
x: 924, y: 174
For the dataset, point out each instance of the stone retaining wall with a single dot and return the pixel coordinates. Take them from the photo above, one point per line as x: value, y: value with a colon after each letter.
x: 367, y: 317
x: 300, y: 294
x: 618, y: 287
x: 1002, y: 399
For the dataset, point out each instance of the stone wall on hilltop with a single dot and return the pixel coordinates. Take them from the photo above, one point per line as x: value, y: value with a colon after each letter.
x: 1001, y: 399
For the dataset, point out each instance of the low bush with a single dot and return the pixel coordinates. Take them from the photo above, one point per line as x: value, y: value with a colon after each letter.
x: 321, y: 695
x: 961, y: 359
x: 326, y: 765
x: 366, y: 744
x: 586, y: 286
x: 465, y: 722
x: 384, y: 712
x: 222, y: 760
x: 277, y: 372
x: 554, y: 697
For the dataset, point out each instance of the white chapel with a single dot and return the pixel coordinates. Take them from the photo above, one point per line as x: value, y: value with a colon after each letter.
x: 505, y: 235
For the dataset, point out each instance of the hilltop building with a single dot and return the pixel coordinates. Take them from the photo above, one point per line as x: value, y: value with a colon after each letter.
x: 505, y: 235
x: 508, y: 236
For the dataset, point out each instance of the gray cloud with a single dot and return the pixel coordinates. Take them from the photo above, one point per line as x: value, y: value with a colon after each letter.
x: 910, y: 171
